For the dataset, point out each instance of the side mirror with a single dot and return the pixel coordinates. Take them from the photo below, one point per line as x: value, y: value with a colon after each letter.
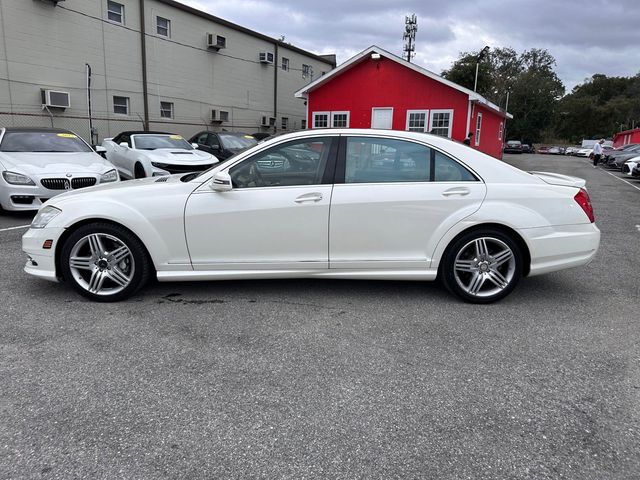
x: 124, y: 144
x: 194, y: 145
x: 100, y: 149
x: 221, y: 182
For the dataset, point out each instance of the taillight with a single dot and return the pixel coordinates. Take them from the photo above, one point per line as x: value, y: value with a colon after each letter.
x: 582, y: 197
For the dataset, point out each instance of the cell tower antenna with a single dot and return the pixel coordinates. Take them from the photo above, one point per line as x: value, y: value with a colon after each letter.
x: 409, y: 37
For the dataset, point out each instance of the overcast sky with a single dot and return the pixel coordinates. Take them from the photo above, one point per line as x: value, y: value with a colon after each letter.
x: 584, y: 36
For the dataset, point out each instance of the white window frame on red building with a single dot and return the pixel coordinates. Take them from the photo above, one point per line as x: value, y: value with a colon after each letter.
x: 478, y: 129
x: 434, y: 112
x: 333, y: 114
x: 427, y: 119
x: 313, y: 119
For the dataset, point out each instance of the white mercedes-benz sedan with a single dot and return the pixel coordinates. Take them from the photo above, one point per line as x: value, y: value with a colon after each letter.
x: 154, y: 154
x: 335, y: 203
x: 38, y: 163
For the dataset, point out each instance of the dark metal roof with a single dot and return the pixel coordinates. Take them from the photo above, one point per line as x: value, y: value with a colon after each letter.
x: 321, y: 58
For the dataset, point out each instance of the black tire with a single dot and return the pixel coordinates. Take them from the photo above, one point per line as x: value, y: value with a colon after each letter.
x: 464, y: 250
x: 138, y: 171
x: 136, y: 264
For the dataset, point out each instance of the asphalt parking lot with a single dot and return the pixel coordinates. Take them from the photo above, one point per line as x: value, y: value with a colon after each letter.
x: 331, y: 379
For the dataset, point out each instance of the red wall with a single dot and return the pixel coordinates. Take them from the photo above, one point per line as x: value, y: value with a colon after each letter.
x: 386, y: 83
x: 633, y: 137
x: 490, y: 142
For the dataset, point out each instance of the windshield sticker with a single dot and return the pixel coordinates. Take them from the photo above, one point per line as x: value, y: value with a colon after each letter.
x: 67, y: 135
x: 248, y: 136
x: 175, y: 137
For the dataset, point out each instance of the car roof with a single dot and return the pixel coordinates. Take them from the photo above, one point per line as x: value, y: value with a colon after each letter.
x: 36, y: 129
x: 143, y: 132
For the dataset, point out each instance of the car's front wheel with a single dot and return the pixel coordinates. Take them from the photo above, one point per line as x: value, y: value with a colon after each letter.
x: 482, y: 266
x: 104, y: 262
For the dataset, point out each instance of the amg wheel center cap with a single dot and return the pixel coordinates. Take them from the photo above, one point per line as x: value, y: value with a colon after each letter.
x: 102, y: 264
x: 484, y: 266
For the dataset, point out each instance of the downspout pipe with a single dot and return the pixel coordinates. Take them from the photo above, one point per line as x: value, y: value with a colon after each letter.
x: 143, y: 45
x: 275, y: 87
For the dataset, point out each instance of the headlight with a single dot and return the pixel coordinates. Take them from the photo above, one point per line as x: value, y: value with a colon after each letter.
x: 44, y: 216
x: 110, y: 176
x: 159, y: 165
x: 17, y: 178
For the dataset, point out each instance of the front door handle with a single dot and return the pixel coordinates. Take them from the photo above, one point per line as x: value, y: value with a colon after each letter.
x: 462, y: 191
x: 309, y: 197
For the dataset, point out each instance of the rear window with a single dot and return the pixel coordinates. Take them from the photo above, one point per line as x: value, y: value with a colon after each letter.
x: 237, y: 142
x: 42, y: 142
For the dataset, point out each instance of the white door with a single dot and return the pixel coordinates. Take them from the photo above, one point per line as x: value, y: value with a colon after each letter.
x: 382, y: 118
x: 275, y: 217
x: 397, y: 200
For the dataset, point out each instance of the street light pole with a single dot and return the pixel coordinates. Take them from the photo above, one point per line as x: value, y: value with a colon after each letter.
x: 482, y: 54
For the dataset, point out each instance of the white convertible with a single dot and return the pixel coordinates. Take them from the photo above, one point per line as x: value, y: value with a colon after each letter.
x: 39, y: 163
x: 334, y: 203
x: 153, y: 154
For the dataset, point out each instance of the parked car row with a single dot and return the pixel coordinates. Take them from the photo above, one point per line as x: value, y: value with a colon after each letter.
x: 39, y: 163
x: 516, y: 146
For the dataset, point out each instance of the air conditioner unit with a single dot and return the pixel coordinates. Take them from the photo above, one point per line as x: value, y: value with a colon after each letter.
x: 266, y: 57
x: 268, y: 121
x: 216, y: 42
x: 55, y: 99
x: 219, y: 116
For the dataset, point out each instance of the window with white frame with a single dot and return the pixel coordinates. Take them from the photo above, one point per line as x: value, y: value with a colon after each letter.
x: 320, y: 120
x: 478, y: 129
x: 285, y: 63
x: 501, y: 131
x: 121, y: 105
x: 306, y: 70
x: 340, y: 119
x: 163, y: 27
x: 441, y: 122
x: 115, y: 12
x: 166, y: 109
x: 417, y: 120
x: 285, y: 123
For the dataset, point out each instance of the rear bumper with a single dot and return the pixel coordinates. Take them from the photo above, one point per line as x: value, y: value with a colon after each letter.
x: 559, y: 247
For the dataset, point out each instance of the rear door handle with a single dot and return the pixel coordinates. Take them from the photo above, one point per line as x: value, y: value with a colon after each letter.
x: 309, y: 197
x: 462, y: 191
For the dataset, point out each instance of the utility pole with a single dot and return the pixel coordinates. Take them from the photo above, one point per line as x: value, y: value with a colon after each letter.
x: 409, y: 36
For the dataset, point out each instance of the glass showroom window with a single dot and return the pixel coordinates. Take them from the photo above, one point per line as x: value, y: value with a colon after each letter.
x: 320, y: 120
x: 163, y: 27
x: 441, y: 121
x: 417, y: 120
x: 121, y: 105
x: 166, y: 109
x: 115, y: 12
x: 340, y: 119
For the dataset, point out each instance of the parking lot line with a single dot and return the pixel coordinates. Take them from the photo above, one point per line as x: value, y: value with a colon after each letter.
x: 622, y: 179
x: 14, y: 228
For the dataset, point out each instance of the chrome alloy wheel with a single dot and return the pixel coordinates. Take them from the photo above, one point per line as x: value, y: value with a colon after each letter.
x: 101, y: 264
x: 484, y: 267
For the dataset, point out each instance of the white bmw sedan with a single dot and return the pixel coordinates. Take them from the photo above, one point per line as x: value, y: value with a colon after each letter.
x: 38, y: 163
x: 154, y: 154
x: 340, y: 203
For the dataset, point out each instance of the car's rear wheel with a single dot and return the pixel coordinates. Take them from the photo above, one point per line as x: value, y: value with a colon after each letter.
x: 104, y: 262
x: 482, y: 266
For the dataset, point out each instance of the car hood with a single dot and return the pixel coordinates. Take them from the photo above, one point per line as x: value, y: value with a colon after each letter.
x: 42, y: 163
x: 559, y: 179
x: 177, y: 156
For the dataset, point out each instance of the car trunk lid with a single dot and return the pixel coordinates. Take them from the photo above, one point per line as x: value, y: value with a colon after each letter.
x: 559, y: 179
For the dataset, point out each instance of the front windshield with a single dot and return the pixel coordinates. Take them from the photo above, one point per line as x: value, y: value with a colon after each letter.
x: 237, y: 141
x: 55, y: 142
x: 152, y: 142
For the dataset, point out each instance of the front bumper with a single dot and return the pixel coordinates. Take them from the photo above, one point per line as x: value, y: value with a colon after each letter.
x: 559, y: 247
x: 40, y: 261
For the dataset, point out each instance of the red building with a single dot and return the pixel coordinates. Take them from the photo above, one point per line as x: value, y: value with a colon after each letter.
x: 626, y: 137
x: 376, y: 89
